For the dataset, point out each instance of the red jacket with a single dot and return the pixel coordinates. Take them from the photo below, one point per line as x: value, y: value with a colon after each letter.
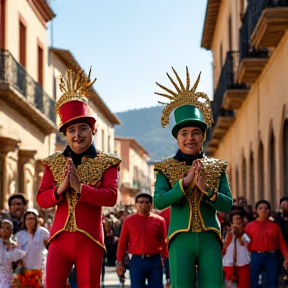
x: 265, y: 236
x: 100, y: 190
x: 142, y: 235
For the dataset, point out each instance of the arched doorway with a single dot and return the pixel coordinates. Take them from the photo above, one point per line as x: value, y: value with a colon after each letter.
x: 237, y: 183
x: 251, y: 182
x: 272, y: 170
x: 261, y: 172
x: 244, y: 178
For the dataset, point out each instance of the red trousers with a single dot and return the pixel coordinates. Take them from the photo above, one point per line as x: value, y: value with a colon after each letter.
x: 70, y: 248
x: 243, y: 273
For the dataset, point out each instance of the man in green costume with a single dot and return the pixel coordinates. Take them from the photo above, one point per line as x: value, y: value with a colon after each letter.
x: 195, y: 186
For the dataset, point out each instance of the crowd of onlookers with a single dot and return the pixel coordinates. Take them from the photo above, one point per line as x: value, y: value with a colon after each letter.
x: 22, y: 244
x: 254, y: 250
x: 255, y: 244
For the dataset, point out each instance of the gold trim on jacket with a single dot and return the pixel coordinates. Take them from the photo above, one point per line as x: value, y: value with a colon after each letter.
x: 89, y: 172
x: 175, y: 171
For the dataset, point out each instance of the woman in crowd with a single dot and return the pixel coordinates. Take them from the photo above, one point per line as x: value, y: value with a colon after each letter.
x: 265, y: 237
x: 236, y: 257
x: 32, y: 240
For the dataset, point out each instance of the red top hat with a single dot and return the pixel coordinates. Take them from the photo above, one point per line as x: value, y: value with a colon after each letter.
x: 73, y: 104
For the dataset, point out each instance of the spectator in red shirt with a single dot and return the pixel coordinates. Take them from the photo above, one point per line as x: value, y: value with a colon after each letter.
x: 265, y: 237
x: 143, y: 234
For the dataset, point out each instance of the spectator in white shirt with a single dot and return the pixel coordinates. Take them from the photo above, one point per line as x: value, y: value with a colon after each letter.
x: 32, y: 240
x: 236, y: 259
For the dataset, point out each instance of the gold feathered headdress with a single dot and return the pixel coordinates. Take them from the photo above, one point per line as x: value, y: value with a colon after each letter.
x: 185, y: 96
x: 73, y: 104
x: 76, y: 86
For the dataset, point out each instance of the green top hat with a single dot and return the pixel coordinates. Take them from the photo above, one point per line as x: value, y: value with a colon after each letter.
x: 188, y: 115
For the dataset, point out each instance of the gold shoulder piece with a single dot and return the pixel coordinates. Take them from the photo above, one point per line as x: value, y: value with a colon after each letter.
x: 92, y: 169
x: 172, y: 169
x: 57, y: 164
x: 212, y: 170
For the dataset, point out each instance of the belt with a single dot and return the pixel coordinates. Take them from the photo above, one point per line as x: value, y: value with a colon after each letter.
x: 266, y: 252
x: 145, y: 255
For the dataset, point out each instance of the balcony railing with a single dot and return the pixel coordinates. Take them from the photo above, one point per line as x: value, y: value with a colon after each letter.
x: 251, y: 17
x: 14, y: 74
x: 227, y: 81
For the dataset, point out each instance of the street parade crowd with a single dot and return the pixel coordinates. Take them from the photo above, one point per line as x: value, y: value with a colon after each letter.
x: 190, y: 229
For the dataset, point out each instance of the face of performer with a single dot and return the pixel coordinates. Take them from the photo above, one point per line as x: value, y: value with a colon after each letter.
x: 190, y: 140
x: 5, y: 230
x: 79, y: 137
x: 17, y: 208
x: 143, y: 205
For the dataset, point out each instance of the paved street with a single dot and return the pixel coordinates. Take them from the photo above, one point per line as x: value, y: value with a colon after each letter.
x: 111, y: 279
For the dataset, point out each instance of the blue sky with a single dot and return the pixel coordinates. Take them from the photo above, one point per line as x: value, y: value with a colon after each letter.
x: 131, y: 44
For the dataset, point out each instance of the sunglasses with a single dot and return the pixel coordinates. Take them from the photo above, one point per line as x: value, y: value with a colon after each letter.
x: 141, y: 202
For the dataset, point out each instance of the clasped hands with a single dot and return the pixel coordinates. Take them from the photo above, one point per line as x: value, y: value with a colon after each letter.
x: 71, y: 180
x: 194, y: 178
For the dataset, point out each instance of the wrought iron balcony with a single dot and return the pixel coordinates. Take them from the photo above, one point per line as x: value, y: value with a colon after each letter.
x: 252, y: 15
x: 24, y: 93
x: 227, y: 81
x: 253, y: 58
x: 223, y: 117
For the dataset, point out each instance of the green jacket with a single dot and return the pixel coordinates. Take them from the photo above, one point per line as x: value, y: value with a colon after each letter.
x: 192, y: 210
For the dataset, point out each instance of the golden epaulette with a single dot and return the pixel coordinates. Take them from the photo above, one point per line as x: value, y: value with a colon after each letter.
x: 89, y: 172
x: 175, y: 170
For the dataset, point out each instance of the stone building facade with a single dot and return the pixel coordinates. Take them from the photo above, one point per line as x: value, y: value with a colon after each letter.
x: 249, y: 42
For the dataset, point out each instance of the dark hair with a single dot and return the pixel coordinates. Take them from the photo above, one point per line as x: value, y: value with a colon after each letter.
x: 24, y: 220
x: 236, y: 212
x: 285, y: 198
x: 262, y: 202
x: 20, y: 196
x: 145, y: 195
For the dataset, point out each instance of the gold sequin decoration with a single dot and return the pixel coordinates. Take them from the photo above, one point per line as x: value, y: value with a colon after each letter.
x: 175, y: 170
x: 211, y: 172
x: 72, y: 201
x: 89, y: 172
x: 185, y: 96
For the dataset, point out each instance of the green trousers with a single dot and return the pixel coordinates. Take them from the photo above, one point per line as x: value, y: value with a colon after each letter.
x: 196, y: 248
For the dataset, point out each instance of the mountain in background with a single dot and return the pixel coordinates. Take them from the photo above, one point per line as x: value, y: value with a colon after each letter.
x: 144, y: 125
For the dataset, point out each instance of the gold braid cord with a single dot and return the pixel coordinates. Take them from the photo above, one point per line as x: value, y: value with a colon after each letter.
x: 185, y: 96
x: 76, y: 86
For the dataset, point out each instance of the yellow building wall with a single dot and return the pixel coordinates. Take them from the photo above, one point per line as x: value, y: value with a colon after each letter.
x: 36, y: 33
x: 263, y: 111
x: 21, y: 174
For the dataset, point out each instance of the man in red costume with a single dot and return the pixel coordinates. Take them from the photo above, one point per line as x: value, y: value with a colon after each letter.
x: 78, y: 181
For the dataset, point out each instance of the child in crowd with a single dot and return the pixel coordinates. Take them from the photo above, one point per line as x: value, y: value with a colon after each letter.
x: 8, y: 253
